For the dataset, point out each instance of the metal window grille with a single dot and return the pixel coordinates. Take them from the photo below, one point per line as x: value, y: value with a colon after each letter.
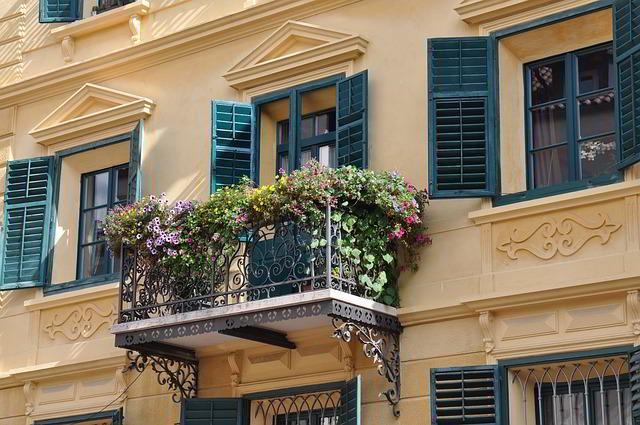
x: 322, y: 408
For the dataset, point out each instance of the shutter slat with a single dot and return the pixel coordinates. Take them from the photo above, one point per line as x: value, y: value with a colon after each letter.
x: 351, y: 115
x: 212, y: 411
x: 27, y: 205
x: 350, y: 402
x: 59, y: 11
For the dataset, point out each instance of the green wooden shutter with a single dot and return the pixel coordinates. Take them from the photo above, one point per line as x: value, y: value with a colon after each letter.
x: 59, y: 11
x: 634, y: 383
x: 465, y: 395
x: 461, y: 147
x: 232, y: 145
x: 135, y: 157
x: 213, y: 411
x: 350, y: 401
x: 626, y: 30
x: 351, y: 114
x: 27, y: 210
x: 116, y: 418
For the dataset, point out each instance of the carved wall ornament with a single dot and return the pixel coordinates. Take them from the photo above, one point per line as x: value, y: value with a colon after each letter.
x: 82, y: 321
x: 68, y: 48
x: 134, y: 27
x: 29, y: 389
x: 235, y: 369
x: 486, y: 325
x: 633, y: 304
x: 565, y: 236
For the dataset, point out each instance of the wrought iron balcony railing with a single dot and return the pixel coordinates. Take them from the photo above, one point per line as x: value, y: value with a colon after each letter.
x: 266, y: 261
x: 106, y: 5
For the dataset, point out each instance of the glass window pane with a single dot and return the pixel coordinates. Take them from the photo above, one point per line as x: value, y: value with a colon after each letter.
x: 547, y: 82
x: 92, y: 227
x: 551, y: 167
x: 283, y: 132
x: 597, y: 114
x: 549, y: 125
x: 305, y: 156
x: 598, y: 157
x: 612, y: 407
x: 595, y: 70
x: 307, y: 127
x: 326, y: 123
x: 284, y: 162
x: 96, y: 189
x: 95, y: 260
x: 122, y: 185
x: 327, y: 156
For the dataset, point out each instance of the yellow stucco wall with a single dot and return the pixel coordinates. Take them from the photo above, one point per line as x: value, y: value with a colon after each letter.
x: 489, y: 288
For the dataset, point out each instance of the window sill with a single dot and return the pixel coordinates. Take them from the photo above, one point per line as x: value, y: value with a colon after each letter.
x: 571, y: 198
x: 80, y: 284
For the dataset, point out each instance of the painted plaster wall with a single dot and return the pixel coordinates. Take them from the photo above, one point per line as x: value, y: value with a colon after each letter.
x: 468, y: 268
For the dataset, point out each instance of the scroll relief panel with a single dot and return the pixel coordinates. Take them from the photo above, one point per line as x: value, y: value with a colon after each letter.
x: 78, y: 322
x: 559, y: 236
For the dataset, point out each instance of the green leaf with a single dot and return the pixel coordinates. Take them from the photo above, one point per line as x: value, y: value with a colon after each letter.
x: 356, y: 252
x: 314, y: 243
x: 370, y: 258
x: 387, y: 257
x: 365, y: 280
x: 345, y: 203
x: 336, y: 216
x: 382, y: 277
x: 323, y: 242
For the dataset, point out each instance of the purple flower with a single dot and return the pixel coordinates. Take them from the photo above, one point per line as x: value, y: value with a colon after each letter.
x: 154, y: 252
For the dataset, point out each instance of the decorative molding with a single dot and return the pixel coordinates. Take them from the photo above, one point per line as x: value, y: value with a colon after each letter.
x: 72, y: 297
x: 29, y: 389
x: 80, y: 322
x: 131, y: 12
x: 594, y: 317
x: 347, y: 357
x: 633, y: 306
x: 263, y: 17
x: 486, y: 325
x: 631, y: 222
x: 280, y: 357
x: 235, y: 370
x: 294, y: 48
x: 558, y: 236
x: 76, y: 116
x: 478, y: 11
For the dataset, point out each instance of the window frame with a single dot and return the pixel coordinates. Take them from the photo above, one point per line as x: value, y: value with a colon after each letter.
x: 294, y: 94
x: 111, y: 188
x: 105, y: 414
x: 573, y: 141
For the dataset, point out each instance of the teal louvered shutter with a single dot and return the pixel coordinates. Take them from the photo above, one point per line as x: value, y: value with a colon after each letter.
x: 634, y: 383
x: 27, y: 211
x: 352, y: 145
x: 134, y: 189
x: 462, y: 161
x: 213, y: 411
x: 465, y: 395
x: 350, y: 402
x: 116, y: 418
x: 626, y: 30
x: 232, y: 145
x: 59, y: 11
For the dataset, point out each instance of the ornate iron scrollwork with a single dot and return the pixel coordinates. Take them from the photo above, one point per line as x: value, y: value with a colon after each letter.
x: 181, y: 376
x: 381, y: 346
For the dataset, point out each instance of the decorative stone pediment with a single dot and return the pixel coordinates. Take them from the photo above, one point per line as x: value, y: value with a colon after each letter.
x: 295, y: 48
x: 479, y: 11
x: 91, y: 109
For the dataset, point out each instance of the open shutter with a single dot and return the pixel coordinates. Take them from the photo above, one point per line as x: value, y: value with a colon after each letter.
x: 116, y: 418
x: 232, y: 145
x: 626, y: 30
x: 350, y: 400
x: 465, y: 395
x: 59, y: 11
x: 27, y: 210
x: 351, y: 115
x: 213, y: 411
x: 135, y: 157
x: 634, y: 383
x: 461, y: 150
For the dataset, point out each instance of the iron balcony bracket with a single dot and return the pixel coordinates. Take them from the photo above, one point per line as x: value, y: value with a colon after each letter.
x: 382, y: 346
x: 178, y: 372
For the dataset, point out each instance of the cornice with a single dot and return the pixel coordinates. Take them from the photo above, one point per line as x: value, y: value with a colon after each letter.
x: 478, y: 11
x: 99, y: 22
x: 315, y: 58
x: 183, y: 43
x: 73, y: 297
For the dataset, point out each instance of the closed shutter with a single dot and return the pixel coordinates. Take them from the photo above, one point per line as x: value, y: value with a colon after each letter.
x: 461, y: 150
x: 465, y: 395
x: 59, y: 11
x: 626, y: 29
x: 351, y: 115
x: 213, y: 411
x: 27, y: 206
x: 232, y: 145
x: 135, y: 160
x: 634, y: 383
x: 350, y: 400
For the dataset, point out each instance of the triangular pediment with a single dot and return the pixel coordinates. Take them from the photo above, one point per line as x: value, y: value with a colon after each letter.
x: 291, y: 38
x: 90, y: 109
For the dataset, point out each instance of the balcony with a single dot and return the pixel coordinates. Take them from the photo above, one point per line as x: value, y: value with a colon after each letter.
x: 106, y: 5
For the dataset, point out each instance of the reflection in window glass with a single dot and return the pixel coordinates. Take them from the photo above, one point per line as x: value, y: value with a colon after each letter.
x: 547, y: 82
x: 551, y: 167
x: 595, y: 70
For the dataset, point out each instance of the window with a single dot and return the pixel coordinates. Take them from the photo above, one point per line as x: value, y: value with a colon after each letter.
x: 100, y: 192
x: 570, y: 117
x: 106, y: 5
x: 315, y: 417
x: 109, y: 417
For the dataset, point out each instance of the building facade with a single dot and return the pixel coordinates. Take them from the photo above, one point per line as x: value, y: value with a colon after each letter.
x: 521, y: 117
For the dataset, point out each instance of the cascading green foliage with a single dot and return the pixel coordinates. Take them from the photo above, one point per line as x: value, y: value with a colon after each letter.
x: 380, y: 213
